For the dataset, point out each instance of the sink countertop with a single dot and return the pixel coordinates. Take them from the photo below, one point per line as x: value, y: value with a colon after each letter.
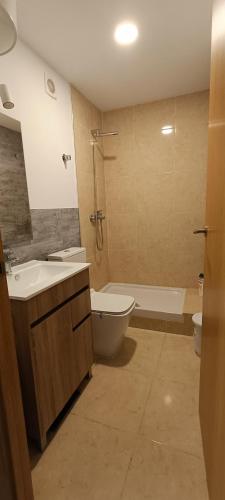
x: 34, y: 277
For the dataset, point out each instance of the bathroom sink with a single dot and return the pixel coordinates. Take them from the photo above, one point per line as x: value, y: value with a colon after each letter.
x: 32, y: 278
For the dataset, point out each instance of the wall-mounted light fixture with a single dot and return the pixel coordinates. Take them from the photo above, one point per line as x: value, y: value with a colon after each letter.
x: 5, y: 97
x: 66, y: 158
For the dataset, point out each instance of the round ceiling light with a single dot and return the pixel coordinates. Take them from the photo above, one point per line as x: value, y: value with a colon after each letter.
x: 126, y: 33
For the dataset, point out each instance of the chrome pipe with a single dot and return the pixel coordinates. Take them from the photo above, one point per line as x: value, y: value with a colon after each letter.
x: 99, y: 133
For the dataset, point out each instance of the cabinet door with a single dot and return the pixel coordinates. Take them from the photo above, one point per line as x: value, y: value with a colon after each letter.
x: 54, y: 366
x: 83, y: 348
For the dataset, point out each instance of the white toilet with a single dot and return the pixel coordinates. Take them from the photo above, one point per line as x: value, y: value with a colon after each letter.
x: 110, y: 312
x: 110, y: 315
x: 197, y: 320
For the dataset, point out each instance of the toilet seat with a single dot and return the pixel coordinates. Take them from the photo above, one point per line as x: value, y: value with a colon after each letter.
x: 109, y: 303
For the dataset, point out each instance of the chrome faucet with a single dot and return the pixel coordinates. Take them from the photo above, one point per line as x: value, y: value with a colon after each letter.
x: 9, y: 260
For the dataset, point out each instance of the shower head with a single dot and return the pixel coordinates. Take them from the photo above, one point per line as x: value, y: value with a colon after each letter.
x: 99, y: 133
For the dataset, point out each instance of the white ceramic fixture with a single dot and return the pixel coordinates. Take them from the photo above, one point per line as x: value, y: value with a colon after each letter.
x: 8, y: 32
x: 110, y: 313
x: 126, y: 33
x: 197, y: 320
x: 159, y: 302
x: 72, y: 254
x: 110, y: 320
x: 32, y: 278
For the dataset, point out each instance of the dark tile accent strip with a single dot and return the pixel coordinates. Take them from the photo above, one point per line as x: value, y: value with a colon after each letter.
x: 53, y: 230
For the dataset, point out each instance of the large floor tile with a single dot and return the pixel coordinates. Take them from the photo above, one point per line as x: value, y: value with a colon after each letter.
x: 171, y: 416
x: 85, y: 461
x: 158, y: 472
x: 178, y: 361
x: 115, y: 397
x: 140, y: 352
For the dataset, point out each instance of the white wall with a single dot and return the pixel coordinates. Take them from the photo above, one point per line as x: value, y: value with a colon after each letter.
x: 47, y: 128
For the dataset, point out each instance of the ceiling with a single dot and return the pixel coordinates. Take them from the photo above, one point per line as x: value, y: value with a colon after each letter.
x: 171, y: 56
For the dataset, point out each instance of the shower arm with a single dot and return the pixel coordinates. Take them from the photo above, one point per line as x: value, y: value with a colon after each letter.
x: 97, y: 133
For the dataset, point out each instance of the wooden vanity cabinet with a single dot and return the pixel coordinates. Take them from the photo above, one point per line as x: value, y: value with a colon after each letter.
x: 54, y: 346
x: 53, y: 364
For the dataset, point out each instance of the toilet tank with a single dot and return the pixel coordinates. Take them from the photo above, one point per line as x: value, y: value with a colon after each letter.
x: 73, y: 254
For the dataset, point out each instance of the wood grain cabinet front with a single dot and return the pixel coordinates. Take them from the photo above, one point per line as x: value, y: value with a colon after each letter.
x: 53, y: 364
x: 80, y: 307
x: 55, y: 353
x: 83, y: 348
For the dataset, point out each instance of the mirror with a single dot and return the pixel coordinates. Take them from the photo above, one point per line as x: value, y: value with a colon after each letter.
x: 15, y: 220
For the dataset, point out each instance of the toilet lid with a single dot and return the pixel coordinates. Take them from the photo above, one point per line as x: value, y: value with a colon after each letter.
x: 111, y: 303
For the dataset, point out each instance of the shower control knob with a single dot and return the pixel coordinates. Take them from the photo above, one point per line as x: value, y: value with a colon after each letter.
x: 92, y: 217
x: 98, y: 215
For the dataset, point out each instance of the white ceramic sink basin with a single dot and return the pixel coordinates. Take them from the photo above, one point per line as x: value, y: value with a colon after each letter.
x: 32, y: 278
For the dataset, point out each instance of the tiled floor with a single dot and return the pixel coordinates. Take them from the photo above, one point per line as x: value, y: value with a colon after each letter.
x: 134, y: 432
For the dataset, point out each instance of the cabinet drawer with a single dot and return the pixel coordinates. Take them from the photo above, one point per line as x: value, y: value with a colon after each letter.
x: 83, y: 348
x: 48, y: 300
x: 80, y: 307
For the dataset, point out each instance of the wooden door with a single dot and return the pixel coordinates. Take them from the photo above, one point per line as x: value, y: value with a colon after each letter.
x: 212, y: 385
x: 54, y: 367
x: 15, y: 476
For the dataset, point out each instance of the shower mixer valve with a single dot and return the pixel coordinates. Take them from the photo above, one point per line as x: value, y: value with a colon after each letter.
x: 97, y: 216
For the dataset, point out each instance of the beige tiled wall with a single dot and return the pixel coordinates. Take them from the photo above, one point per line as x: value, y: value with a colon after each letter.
x: 155, y: 191
x: 86, y: 118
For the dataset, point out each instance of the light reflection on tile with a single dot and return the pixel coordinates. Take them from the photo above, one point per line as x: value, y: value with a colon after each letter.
x: 171, y: 416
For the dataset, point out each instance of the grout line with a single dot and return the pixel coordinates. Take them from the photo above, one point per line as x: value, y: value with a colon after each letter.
x: 130, y: 370
x: 84, y: 417
x: 133, y: 449
x: 125, y: 477
x: 176, y: 381
x: 151, y: 386
x: 129, y: 466
x: 174, y: 448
